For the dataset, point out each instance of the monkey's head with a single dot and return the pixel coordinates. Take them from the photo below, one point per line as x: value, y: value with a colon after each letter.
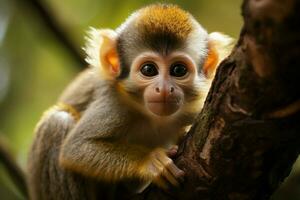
x: 160, y: 57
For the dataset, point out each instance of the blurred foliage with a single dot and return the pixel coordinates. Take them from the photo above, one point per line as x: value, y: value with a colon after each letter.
x: 34, y: 67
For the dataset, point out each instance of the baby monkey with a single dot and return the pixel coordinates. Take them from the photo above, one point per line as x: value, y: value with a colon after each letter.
x: 121, y: 119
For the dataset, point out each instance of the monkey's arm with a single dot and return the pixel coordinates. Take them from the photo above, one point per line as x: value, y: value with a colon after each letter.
x: 95, y: 148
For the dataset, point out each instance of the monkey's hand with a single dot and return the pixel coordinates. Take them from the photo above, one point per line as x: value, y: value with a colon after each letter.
x: 161, y: 169
x: 172, y: 151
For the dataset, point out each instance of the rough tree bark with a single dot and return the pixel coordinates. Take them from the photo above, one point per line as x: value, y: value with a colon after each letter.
x: 247, y: 137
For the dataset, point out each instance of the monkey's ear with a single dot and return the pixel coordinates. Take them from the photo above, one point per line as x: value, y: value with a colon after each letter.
x: 108, y: 53
x: 219, y: 47
x: 101, y: 52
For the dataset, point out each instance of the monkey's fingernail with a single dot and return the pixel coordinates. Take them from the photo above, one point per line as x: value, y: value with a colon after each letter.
x: 181, y: 173
x: 172, y: 153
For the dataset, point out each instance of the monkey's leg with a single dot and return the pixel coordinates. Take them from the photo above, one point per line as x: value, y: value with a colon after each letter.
x: 47, y: 180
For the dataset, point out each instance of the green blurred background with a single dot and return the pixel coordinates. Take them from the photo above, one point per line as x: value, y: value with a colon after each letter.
x: 35, y: 66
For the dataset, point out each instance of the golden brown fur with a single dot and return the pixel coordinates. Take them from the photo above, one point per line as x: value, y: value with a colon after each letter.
x: 165, y: 19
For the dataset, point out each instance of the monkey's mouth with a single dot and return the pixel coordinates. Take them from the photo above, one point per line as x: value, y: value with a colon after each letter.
x: 164, y: 102
x: 163, y: 107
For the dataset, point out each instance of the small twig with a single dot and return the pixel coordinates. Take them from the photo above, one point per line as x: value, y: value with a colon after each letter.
x: 14, y: 171
x: 54, y: 26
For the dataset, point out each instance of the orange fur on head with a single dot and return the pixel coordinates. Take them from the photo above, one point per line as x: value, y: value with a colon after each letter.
x: 166, y: 18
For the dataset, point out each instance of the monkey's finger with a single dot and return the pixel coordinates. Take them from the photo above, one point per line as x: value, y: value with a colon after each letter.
x: 176, y: 172
x: 171, y: 152
x: 168, y: 162
x: 170, y: 177
x: 171, y: 171
x: 165, y: 172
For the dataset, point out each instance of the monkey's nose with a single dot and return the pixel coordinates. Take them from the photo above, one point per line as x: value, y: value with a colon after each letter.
x: 171, y: 89
x: 159, y: 90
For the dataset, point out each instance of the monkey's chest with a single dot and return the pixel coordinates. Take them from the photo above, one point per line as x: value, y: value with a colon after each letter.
x: 150, y: 135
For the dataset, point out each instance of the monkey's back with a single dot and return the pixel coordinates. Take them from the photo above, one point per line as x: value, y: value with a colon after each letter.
x: 46, y: 179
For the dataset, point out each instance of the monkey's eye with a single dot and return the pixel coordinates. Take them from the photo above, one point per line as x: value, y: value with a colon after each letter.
x: 178, y: 70
x: 149, y: 69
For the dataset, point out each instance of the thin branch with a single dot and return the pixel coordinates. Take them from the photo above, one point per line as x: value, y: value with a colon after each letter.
x: 50, y: 22
x: 16, y: 173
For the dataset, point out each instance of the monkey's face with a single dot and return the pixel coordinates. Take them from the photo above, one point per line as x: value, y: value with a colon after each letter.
x: 163, y: 80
